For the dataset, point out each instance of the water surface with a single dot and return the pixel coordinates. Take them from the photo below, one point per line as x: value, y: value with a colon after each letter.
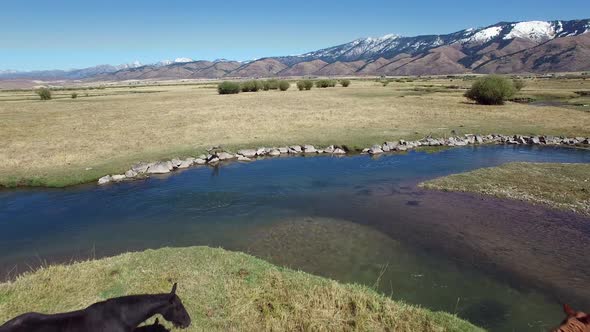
x: 503, y: 265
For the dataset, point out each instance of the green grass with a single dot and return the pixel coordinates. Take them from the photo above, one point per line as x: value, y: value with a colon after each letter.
x: 562, y: 186
x: 222, y: 291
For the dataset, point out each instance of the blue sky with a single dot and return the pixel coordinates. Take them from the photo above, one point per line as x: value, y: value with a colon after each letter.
x: 40, y: 34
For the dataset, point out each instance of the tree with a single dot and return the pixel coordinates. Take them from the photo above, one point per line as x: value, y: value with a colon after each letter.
x: 491, y: 90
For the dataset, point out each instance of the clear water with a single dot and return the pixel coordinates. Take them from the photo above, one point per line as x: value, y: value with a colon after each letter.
x: 501, y: 264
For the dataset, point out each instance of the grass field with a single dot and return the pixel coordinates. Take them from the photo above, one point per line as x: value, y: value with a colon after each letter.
x: 222, y: 291
x: 66, y: 141
x: 562, y: 186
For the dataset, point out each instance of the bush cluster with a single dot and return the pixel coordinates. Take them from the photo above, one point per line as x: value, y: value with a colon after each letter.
x: 251, y: 86
x: 227, y: 88
x: 74, y: 95
x: 44, y: 93
x: 305, y: 85
x: 345, y: 83
x: 325, y: 83
x: 270, y: 85
x: 491, y: 90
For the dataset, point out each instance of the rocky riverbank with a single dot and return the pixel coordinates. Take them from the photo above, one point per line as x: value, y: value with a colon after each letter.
x: 217, y: 155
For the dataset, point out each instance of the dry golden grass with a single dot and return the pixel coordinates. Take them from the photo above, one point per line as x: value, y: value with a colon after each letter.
x: 222, y: 291
x: 55, y: 142
x: 562, y: 186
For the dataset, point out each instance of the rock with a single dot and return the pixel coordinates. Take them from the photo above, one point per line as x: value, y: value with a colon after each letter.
x: 470, y: 139
x: 309, y: 149
x: 160, y: 168
x: 118, y: 177
x: 586, y: 141
x: 248, y: 153
x: 188, y: 162
x: 105, y: 179
x: 339, y: 151
x: 130, y: 174
x: 242, y: 158
x: 224, y: 156
x: 385, y: 148
x: 535, y: 140
x: 213, y: 160
x: 329, y: 149
x: 200, y: 161
x: 295, y: 149
x: 460, y: 142
x: 140, y: 168
x: 479, y: 139
x: 401, y: 148
x: 391, y: 145
x: 274, y: 153
x: 261, y: 152
x: 176, y: 162
x: 284, y: 150
x: 320, y: 151
x: 375, y: 149
x: 204, y: 157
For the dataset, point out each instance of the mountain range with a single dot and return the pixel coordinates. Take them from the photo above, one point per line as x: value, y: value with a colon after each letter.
x: 505, y: 47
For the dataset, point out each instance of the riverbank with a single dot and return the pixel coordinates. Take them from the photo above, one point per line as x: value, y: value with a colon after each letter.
x: 222, y: 290
x: 68, y: 141
x: 561, y: 186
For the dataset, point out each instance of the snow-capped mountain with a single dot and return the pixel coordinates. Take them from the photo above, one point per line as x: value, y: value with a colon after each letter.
x: 505, y: 47
x: 169, y: 62
x: 390, y: 46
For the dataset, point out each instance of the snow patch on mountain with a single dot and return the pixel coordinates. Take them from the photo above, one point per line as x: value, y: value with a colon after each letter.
x: 485, y: 35
x: 534, y: 30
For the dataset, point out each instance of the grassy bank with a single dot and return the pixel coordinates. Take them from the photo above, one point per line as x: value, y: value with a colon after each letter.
x: 562, y: 186
x: 222, y: 291
x: 67, y: 141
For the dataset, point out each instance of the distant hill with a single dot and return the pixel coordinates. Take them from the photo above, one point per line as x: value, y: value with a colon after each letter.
x: 513, y: 47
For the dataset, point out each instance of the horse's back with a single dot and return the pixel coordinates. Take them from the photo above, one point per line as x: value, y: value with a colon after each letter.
x: 36, y: 322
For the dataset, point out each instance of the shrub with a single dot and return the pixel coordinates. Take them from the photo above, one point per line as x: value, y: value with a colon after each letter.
x: 385, y: 82
x: 301, y: 85
x: 270, y: 85
x: 325, y: 83
x: 345, y: 83
x: 251, y: 86
x: 284, y: 85
x: 74, y: 95
x: 44, y: 93
x: 491, y: 90
x: 227, y: 87
x: 519, y: 84
x: 308, y: 84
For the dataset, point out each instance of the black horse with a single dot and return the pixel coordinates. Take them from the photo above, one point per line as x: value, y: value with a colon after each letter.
x: 121, y: 314
x: 156, y: 327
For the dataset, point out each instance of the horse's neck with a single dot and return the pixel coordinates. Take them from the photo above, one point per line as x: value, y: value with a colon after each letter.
x: 138, y: 308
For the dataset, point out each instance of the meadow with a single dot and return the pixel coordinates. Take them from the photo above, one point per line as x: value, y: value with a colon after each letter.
x: 105, y: 130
